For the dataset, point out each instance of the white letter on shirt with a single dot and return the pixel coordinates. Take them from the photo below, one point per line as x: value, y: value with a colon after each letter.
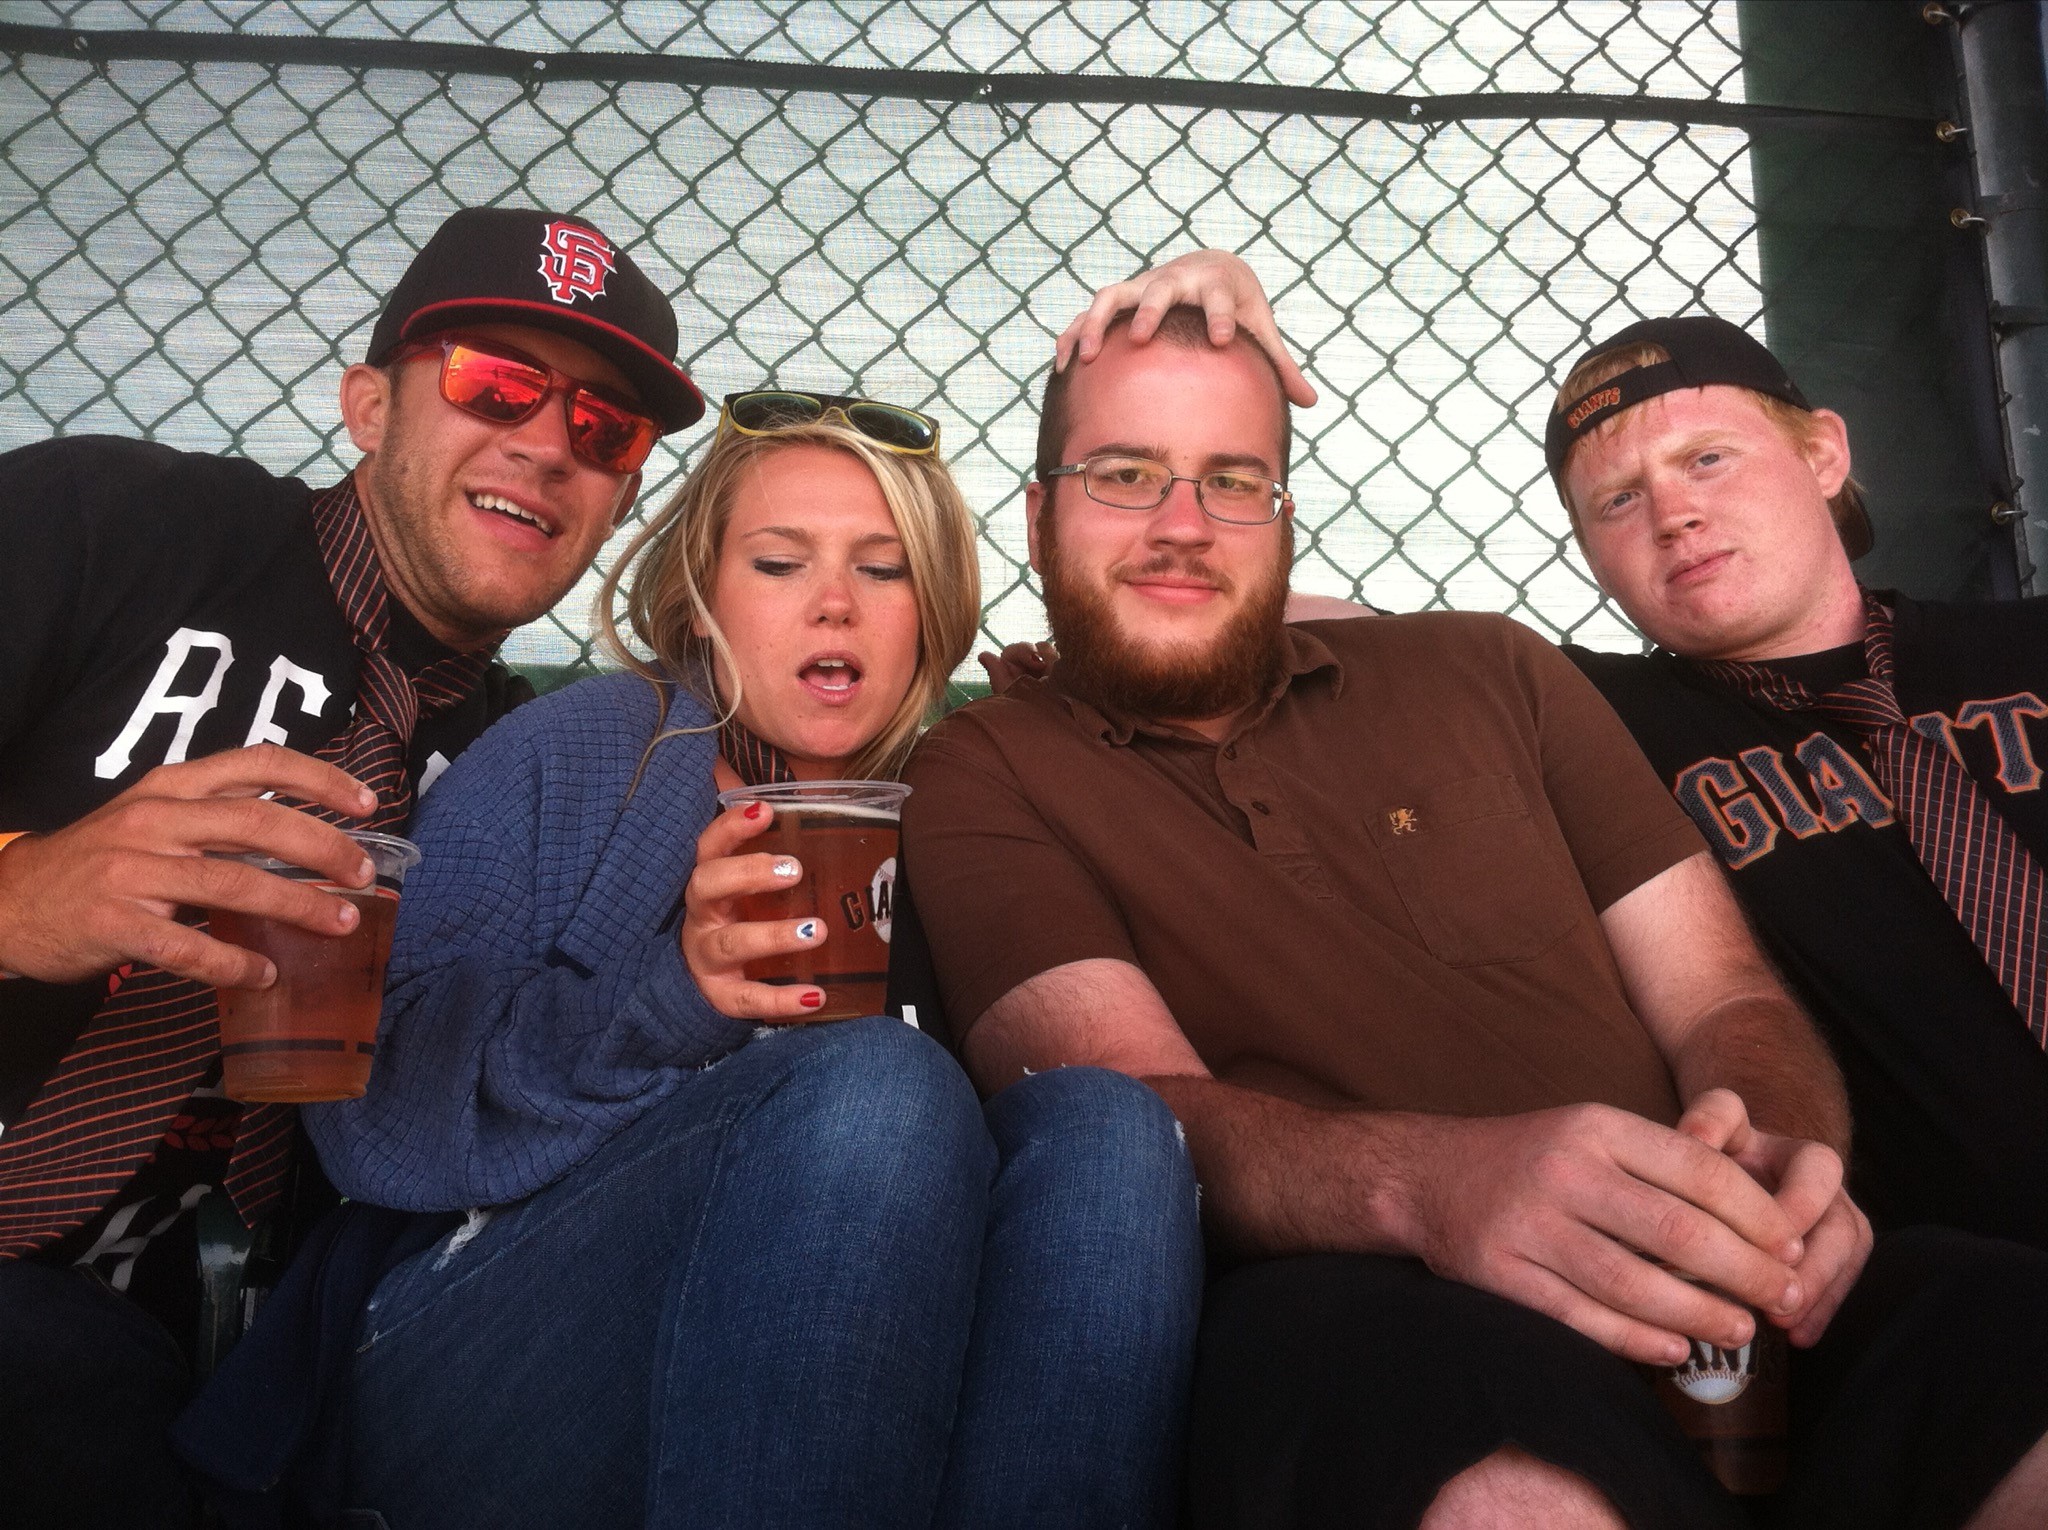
x: 312, y: 690
x: 158, y: 700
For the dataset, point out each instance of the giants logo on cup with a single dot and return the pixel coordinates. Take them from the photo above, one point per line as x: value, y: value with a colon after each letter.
x: 1715, y: 1375
x: 574, y: 261
x: 876, y: 906
x: 882, y: 897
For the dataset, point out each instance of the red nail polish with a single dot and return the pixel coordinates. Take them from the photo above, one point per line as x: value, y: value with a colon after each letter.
x: 812, y: 1000
x: 755, y: 810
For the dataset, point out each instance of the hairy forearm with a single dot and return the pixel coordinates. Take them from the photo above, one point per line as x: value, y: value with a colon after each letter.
x: 1282, y: 1178
x: 1722, y: 1017
x: 1765, y: 1049
x: 1278, y: 1177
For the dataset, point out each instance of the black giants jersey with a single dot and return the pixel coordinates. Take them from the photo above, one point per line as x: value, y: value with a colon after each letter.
x: 158, y: 606
x: 1949, y: 1090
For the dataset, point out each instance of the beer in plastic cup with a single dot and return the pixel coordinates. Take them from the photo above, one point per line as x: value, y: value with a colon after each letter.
x: 312, y: 1033
x: 1731, y: 1404
x: 843, y: 834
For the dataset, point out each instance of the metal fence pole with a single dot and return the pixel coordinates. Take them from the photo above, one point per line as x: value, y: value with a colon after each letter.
x: 2000, y: 55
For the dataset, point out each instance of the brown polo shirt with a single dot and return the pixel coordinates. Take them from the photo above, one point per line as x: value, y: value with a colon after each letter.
x: 1382, y: 889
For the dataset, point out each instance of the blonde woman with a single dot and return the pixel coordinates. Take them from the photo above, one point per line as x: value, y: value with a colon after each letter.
x: 717, y: 1271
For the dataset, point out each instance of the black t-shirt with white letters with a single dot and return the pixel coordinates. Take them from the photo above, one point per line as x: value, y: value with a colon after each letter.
x: 159, y: 606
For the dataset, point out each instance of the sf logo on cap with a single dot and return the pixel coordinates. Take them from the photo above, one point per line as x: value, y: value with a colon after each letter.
x: 574, y: 261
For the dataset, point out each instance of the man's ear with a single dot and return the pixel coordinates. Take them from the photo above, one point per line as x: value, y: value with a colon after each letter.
x: 1034, y: 507
x: 629, y: 495
x: 366, y: 399
x: 1826, y: 449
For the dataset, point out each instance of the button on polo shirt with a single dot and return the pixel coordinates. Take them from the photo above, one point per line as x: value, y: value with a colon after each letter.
x: 1382, y: 888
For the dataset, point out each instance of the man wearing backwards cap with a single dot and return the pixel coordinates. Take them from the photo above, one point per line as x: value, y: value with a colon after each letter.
x: 187, y: 635
x: 1864, y: 764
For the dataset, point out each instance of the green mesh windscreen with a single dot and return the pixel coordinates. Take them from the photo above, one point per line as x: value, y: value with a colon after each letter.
x: 201, y: 205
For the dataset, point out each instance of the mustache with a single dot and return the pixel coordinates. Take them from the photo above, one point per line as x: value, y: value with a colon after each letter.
x: 1185, y: 566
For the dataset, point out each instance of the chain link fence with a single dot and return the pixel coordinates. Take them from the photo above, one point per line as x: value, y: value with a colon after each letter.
x: 193, y: 244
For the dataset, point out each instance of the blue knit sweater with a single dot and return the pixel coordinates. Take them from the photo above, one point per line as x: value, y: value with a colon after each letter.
x: 537, y: 1000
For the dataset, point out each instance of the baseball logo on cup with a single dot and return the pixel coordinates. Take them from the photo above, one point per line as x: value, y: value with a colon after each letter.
x: 1714, y: 1375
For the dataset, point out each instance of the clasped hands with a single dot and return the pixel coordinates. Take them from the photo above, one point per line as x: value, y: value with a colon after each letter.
x: 1567, y: 1211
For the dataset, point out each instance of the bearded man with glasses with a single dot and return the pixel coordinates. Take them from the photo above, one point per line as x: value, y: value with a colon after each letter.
x: 1489, y: 1089
x: 187, y: 639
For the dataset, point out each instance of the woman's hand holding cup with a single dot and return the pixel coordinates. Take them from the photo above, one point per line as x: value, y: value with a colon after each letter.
x: 718, y: 942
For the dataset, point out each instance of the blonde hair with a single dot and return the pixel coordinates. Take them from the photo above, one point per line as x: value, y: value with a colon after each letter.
x: 1798, y: 425
x: 668, y: 571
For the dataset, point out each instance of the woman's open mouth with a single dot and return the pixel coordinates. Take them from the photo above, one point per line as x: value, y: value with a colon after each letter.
x: 832, y: 679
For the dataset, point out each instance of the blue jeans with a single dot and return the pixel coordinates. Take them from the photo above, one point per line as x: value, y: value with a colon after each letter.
x: 817, y: 1286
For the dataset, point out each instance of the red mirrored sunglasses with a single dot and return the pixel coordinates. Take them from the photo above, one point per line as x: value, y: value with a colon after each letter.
x: 494, y: 382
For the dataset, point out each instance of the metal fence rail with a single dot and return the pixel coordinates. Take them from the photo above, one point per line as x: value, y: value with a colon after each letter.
x: 201, y: 203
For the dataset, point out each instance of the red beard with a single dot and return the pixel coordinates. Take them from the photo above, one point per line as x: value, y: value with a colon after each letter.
x: 1177, y: 683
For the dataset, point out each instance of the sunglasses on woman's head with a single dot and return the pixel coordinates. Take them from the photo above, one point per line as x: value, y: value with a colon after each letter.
x: 764, y: 411
x: 494, y: 382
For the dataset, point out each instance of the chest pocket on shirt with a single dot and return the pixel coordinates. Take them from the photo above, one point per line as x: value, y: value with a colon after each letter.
x: 1478, y: 876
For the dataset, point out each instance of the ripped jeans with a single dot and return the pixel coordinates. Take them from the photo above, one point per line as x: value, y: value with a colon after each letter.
x: 818, y: 1286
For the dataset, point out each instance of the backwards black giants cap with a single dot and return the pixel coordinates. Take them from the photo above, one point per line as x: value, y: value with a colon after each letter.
x: 1704, y: 351
x: 516, y: 265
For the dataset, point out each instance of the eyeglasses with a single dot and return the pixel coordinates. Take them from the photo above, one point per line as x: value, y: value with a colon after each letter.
x: 497, y: 383
x: 1139, y: 483
x: 764, y: 411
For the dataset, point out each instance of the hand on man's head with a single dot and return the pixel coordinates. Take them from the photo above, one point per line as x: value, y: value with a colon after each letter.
x: 1222, y: 285
x: 106, y: 890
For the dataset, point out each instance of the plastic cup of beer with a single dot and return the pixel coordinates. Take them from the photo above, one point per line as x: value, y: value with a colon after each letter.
x: 1731, y: 1403
x: 312, y: 1034
x: 843, y: 834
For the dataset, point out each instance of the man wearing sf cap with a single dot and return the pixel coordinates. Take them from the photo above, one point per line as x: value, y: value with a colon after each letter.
x: 185, y: 637
x: 1865, y: 765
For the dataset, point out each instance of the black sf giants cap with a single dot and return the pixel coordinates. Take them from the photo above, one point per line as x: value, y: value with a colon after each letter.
x: 1704, y: 351
x: 517, y: 265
